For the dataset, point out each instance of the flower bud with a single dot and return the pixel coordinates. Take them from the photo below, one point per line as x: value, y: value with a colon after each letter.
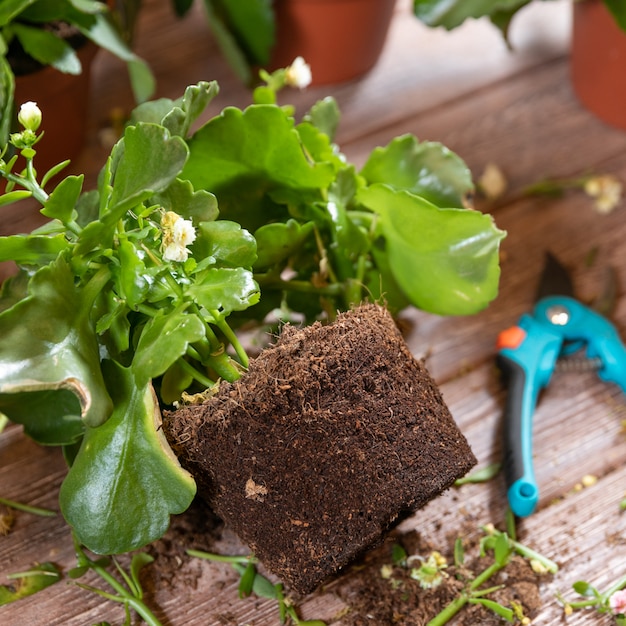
x: 298, y: 74
x: 30, y: 116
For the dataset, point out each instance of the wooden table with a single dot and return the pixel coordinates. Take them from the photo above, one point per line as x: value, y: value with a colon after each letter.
x: 516, y: 110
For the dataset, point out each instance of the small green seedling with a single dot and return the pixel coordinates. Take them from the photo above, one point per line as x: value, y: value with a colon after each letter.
x: 612, y: 601
x: 253, y: 582
x: 431, y: 573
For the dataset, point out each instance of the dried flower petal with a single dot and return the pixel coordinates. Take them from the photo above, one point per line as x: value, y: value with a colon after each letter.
x: 617, y: 602
x: 606, y: 190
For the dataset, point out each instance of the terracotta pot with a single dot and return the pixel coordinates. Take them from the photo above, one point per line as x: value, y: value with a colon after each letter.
x: 598, y: 62
x: 340, y: 39
x: 64, y: 102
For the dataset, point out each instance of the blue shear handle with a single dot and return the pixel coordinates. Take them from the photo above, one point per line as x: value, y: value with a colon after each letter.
x: 522, y: 492
x: 527, y: 367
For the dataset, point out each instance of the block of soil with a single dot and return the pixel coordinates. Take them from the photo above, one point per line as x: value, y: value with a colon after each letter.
x: 335, y: 434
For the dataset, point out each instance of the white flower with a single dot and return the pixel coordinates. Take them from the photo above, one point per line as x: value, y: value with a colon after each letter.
x: 298, y: 74
x: 178, y: 233
x: 30, y: 116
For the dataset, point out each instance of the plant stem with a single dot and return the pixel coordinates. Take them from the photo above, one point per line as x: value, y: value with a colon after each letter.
x: 232, y: 338
x: 27, y: 508
x: 205, y: 381
x: 125, y: 597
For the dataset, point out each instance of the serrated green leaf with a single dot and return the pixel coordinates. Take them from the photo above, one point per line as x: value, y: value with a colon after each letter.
x: 444, y: 260
x: 125, y: 481
x: 225, y: 290
x: 164, y: 339
x: 225, y: 242
x: 426, y: 169
x: 148, y: 161
x: 49, y: 344
x: 180, y: 197
x: 325, y: 116
x: 195, y: 100
x: 244, y: 156
x: 277, y: 242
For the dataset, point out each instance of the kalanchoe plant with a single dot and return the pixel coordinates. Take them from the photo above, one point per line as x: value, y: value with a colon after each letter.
x: 128, y: 296
x: 26, y: 31
x: 452, y: 13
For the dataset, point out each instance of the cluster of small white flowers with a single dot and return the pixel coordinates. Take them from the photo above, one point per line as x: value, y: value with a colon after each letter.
x: 178, y: 233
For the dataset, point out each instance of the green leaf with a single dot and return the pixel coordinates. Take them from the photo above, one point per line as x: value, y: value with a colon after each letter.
x: 63, y: 199
x: 459, y: 552
x: 50, y: 417
x: 7, y: 91
x: 445, y: 260
x: 133, y: 278
x: 225, y: 290
x: 618, y: 10
x: 585, y: 589
x: 226, y: 243
x: 452, y: 13
x: 138, y: 562
x: 150, y: 159
x: 243, y: 156
x: 502, y: 549
x: 49, y: 344
x: 325, y: 116
x: 9, y: 9
x: 194, y: 101
x: 426, y: 169
x: 244, y: 31
x: 35, y: 250
x: 164, y: 339
x: 246, y: 581
x: 480, y: 476
x: 47, y: 48
x: 28, y: 583
x: 277, y: 242
x: 198, y: 206
x: 125, y: 481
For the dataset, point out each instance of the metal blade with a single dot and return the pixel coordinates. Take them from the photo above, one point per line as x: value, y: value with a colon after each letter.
x: 555, y: 279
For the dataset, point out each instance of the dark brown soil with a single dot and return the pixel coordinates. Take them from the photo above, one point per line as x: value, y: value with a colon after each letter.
x: 333, y: 436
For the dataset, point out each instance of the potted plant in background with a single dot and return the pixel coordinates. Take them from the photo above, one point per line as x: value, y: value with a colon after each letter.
x: 598, y: 54
x: 340, y: 39
x: 46, y: 49
x: 132, y: 293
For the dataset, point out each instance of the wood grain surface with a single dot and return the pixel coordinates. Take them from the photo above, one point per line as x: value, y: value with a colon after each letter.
x: 516, y: 110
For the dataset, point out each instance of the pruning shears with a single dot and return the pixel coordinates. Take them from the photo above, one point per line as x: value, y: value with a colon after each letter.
x: 559, y: 326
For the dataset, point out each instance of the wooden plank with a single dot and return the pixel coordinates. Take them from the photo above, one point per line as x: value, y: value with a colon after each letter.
x: 517, y: 111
